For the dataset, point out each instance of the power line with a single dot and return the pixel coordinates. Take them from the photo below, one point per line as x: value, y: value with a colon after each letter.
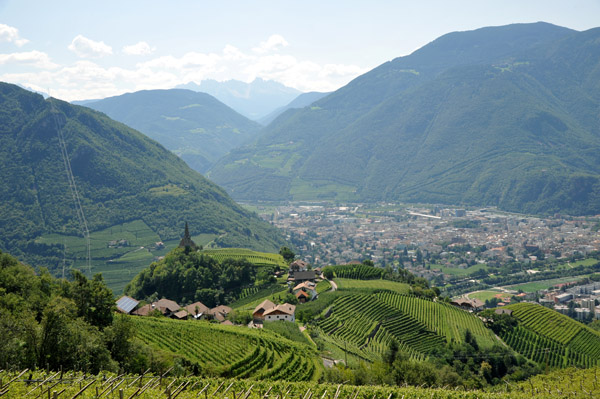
x: 72, y: 185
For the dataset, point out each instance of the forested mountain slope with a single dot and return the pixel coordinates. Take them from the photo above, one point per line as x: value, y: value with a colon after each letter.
x: 195, y: 126
x: 504, y: 116
x: 121, y: 175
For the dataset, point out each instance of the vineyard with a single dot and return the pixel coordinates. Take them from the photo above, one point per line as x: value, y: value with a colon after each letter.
x: 359, y: 272
x: 377, y: 284
x: 370, y: 322
x: 442, y: 318
x: 549, y: 337
x: 569, y: 383
x: 231, y: 351
x: 254, y: 257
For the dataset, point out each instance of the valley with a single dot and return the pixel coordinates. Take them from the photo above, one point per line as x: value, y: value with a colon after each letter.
x: 430, y: 227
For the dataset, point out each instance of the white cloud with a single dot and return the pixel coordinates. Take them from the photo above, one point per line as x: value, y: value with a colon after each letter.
x: 34, y: 58
x: 11, y: 35
x: 88, y: 48
x: 140, y: 48
x: 86, y: 79
x: 272, y: 43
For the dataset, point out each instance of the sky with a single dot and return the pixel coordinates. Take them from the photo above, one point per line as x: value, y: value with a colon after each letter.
x: 78, y: 50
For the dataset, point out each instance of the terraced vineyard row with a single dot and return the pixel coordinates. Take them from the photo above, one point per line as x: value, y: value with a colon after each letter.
x: 547, y: 322
x: 571, y: 383
x: 230, y: 351
x: 545, y: 335
x: 254, y: 257
x: 371, y: 325
x: 441, y: 318
x: 360, y: 272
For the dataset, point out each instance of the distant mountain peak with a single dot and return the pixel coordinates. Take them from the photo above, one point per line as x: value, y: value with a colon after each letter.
x: 253, y: 100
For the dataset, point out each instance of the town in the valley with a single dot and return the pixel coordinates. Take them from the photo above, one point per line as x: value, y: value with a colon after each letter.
x: 490, y: 257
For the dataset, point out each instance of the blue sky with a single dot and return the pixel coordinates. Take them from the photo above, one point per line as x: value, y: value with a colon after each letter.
x: 93, y: 49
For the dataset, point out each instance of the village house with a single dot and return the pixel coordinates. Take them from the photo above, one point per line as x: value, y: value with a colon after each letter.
x: 283, y: 312
x: 126, y: 304
x: 268, y: 311
x: 306, y: 290
x: 166, y: 307
x: 298, y: 266
x: 219, y: 313
x: 468, y: 304
x: 300, y: 277
x: 197, y: 310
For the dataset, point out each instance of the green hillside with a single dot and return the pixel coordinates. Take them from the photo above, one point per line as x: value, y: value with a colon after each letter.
x: 207, y: 276
x: 132, y: 191
x: 545, y: 335
x: 421, y: 327
x: 231, y: 351
x: 195, y: 126
x: 508, y: 114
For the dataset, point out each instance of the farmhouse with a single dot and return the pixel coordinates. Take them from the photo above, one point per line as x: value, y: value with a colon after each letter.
x: 302, y: 296
x: 166, y: 306
x: 268, y: 311
x: 298, y: 266
x: 283, y: 312
x: 126, y: 304
x: 259, y: 311
x: 308, y: 290
x: 219, y: 313
x: 197, y: 310
x: 468, y: 303
x: 300, y: 277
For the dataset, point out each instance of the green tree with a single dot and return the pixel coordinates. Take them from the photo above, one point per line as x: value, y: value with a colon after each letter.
x: 288, y: 254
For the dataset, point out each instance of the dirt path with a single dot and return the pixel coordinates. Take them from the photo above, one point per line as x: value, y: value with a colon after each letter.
x: 333, y: 285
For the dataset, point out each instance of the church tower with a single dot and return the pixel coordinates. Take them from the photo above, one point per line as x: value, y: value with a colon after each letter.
x: 186, y: 241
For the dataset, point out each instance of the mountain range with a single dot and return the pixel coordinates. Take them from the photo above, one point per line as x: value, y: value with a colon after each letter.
x: 195, y: 126
x: 122, y: 177
x: 500, y: 116
x: 254, y: 100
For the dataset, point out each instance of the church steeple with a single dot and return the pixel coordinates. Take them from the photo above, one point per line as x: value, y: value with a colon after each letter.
x: 186, y: 241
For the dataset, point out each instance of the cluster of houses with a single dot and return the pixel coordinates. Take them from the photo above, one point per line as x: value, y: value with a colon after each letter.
x: 303, y: 281
x: 580, y: 300
x: 299, y: 277
x: 173, y: 310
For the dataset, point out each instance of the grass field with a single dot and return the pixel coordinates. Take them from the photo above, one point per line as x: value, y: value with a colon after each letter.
x: 306, y: 190
x: 486, y: 295
x: 118, y: 263
x: 345, y: 283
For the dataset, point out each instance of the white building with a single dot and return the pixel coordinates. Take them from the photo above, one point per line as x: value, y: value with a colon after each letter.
x: 283, y: 312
